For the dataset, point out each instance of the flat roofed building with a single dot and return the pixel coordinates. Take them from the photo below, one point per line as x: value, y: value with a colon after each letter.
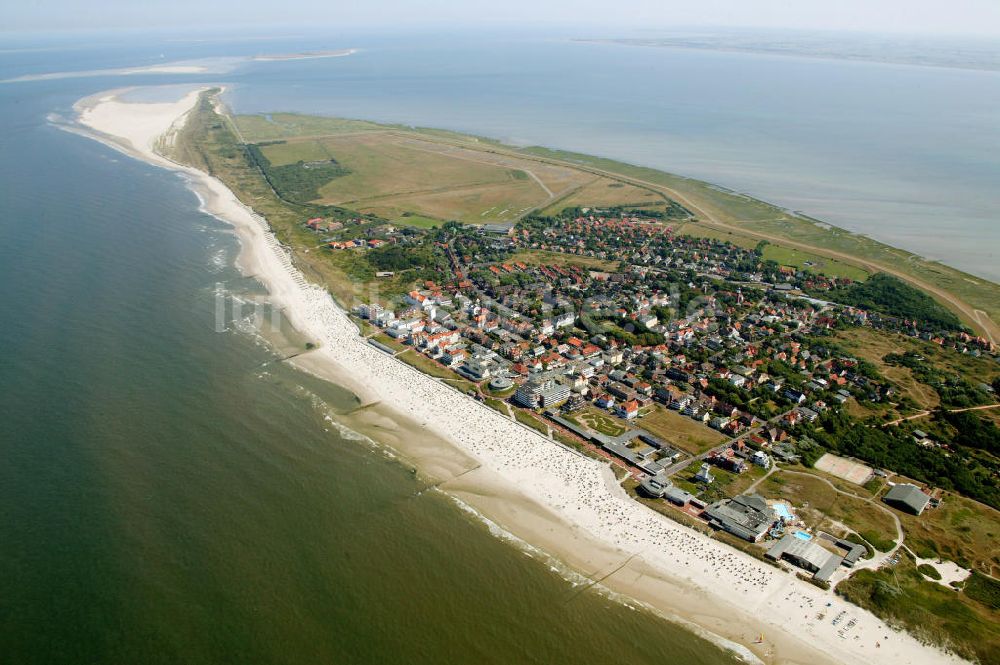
x: 653, y: 488
x: 747, y: 516
x: 907, y: 497
x: 543, y: 393
x: 497, y: 229
x: 677, y: 496
x: 806, y: 554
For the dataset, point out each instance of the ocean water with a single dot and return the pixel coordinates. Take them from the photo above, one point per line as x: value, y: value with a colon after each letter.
x: 169, y: 493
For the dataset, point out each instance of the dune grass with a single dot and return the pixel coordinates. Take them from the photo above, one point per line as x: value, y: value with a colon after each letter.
x: 902, y: 597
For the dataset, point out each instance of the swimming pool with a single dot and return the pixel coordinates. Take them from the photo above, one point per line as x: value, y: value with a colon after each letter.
x: 802, y: 535
x: 781, y: 510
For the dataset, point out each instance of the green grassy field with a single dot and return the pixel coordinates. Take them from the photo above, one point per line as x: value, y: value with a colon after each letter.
x: 540, y: 257
x: 699, y: 230
x: 427, y: 366
x: 689, y: 435
x: 280, y: 154
x: 604, y: 193
x: 278, y: 126
x: 496, y: 405
x: 531, y: 420
x: 741, y: 482
x: 787, y: 256
x: 817, y: 503
x: 418, y: 221
x: 384, y: 339
x: 435, y: 173
x: 600, y: 421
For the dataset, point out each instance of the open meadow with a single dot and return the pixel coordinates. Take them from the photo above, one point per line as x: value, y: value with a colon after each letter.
x: 689, y: 435
x: 398, y: 173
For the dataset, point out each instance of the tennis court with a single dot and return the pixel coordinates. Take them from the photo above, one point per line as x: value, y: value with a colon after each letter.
x: 849, y: 470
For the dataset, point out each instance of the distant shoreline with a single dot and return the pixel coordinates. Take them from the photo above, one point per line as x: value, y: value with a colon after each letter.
x: 305, y: 55
x: 782, y: 50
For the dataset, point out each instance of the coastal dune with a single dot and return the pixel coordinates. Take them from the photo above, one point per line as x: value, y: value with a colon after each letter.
x: 548, y: 495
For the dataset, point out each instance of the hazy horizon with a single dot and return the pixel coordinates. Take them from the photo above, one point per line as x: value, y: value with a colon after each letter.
x: 925, y: 17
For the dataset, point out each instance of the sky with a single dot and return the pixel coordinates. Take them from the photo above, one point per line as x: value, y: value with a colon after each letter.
x: 980, y: 17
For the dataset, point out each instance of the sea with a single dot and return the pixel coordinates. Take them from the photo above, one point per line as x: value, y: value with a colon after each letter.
x: 171, y: 492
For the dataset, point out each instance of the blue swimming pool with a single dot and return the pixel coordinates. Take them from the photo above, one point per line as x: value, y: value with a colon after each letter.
x: 782, y: 511
x: 802, y: 535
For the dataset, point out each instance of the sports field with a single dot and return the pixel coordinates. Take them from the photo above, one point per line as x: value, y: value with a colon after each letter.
x: 849, y: 470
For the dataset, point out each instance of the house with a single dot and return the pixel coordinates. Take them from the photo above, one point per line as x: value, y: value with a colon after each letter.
x: 454, y: 357
x: 720, y: 423
x: 761, y: 459
x: 794, y: 395
x: 475, y: 369
x: 369, y: 311
x: 628, y: 410
x: 808, y: 415
x: 682, y: 402
x: 564, y: 320
x: 729, y: 462
x: 605, y: 401
x: 907, y: 497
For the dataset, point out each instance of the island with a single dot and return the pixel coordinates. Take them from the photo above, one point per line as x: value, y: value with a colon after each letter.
x: 780, y: 433
x: 304, y: 55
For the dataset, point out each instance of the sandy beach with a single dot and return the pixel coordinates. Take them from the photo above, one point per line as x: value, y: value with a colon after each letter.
x: 564, y: 503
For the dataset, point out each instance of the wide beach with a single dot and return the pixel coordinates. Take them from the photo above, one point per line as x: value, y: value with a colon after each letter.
x: 547, y: 495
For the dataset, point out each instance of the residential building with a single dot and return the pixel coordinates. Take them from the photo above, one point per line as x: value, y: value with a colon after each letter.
x: 541, y: 392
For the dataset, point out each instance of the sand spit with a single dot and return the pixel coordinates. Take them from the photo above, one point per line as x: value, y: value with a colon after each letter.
x: 215, y: 65
x: 550, y: 496
x: 170, y: 68
x: 305, y: 55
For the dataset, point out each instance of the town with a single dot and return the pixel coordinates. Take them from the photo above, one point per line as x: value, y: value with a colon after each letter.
x: 721, y: 387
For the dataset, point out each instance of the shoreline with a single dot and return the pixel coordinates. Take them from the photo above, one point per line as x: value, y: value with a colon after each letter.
x: 544, y: 494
